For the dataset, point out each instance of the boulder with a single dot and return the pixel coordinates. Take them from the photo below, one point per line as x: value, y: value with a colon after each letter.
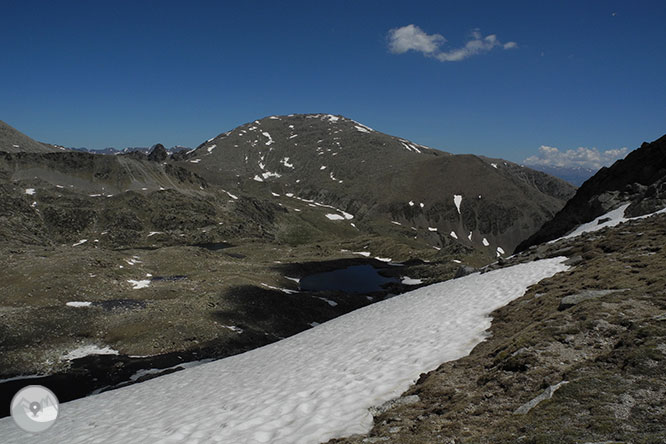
x: 585, y: 295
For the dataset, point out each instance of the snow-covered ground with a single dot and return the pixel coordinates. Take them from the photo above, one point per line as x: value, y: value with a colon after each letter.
x: 307, y: 388
x: 610, y: 219
x: 87, y: 350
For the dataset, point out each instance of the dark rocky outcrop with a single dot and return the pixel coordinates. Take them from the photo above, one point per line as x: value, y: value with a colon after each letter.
x: 158, y: 153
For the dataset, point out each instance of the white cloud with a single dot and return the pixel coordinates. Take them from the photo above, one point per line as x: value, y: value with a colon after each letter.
x: 580, y: 157
x: 411, y: 37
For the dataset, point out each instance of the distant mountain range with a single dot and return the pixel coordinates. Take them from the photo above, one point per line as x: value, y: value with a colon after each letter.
x: 385, y: 182
x: 574, y: 175
x: 140, y: 149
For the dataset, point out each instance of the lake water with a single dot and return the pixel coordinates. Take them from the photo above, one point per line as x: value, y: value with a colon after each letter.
x: 354, y: 279
x: 213, y: 246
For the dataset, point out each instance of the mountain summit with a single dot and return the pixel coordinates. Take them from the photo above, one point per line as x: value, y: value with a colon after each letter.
x: 480, y: 202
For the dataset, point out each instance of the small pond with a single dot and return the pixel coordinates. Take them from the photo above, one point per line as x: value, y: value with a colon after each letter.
x: 354, y: 279
x: 213, y: 246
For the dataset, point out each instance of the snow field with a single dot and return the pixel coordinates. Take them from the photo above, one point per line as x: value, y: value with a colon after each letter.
x: 307, y: 388
x: 615, y: 217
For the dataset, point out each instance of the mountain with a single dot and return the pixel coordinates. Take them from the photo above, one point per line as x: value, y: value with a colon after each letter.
x: 144, y: 150
x: 578, y: 358
x: 474, y: 201
x: 14, y: 141
x: 165, y: 258
x: 638, y: 179
x: 165, y: 261
x: 575, y: 355
x: 55, y: 196
x: 575, y: 176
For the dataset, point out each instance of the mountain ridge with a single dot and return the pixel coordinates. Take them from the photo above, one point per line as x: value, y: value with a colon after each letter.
x: 13, y: 141
x: 370, y: 174
x: 639, y: 178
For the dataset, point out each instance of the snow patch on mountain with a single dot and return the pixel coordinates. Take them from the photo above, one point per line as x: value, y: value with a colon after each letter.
x: 409, y: 281
x: 610, y: 219
x: 268, y: 174
x: 457, y: 200
x: 363, y: 128
x: 88, y: 350
x: 270, y: 139
x: 138, y: 284
x: 78, y: 304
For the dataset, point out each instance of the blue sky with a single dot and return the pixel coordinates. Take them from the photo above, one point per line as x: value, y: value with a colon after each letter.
x: 580, y: 74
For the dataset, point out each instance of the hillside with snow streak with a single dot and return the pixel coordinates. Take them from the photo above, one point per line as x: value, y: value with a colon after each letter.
x: 307, y: 388
x: 378, y: 178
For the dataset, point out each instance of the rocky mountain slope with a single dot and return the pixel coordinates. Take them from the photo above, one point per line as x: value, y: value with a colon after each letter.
x: 580, y: 358
x: 13, y: 141
x: 640, y: 179
x: 140, y: 149
x: 57, y: 196
x: 483, y: 203
x: 163, y: 258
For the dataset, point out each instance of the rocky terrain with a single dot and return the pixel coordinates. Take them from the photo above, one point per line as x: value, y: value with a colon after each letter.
x: 148, y: 260
x: 152, y: 260
x: 140, y: 149
x: 13, y: 141
x: 581, y: 357
x: 639, y: 179
x: 478, y: 202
